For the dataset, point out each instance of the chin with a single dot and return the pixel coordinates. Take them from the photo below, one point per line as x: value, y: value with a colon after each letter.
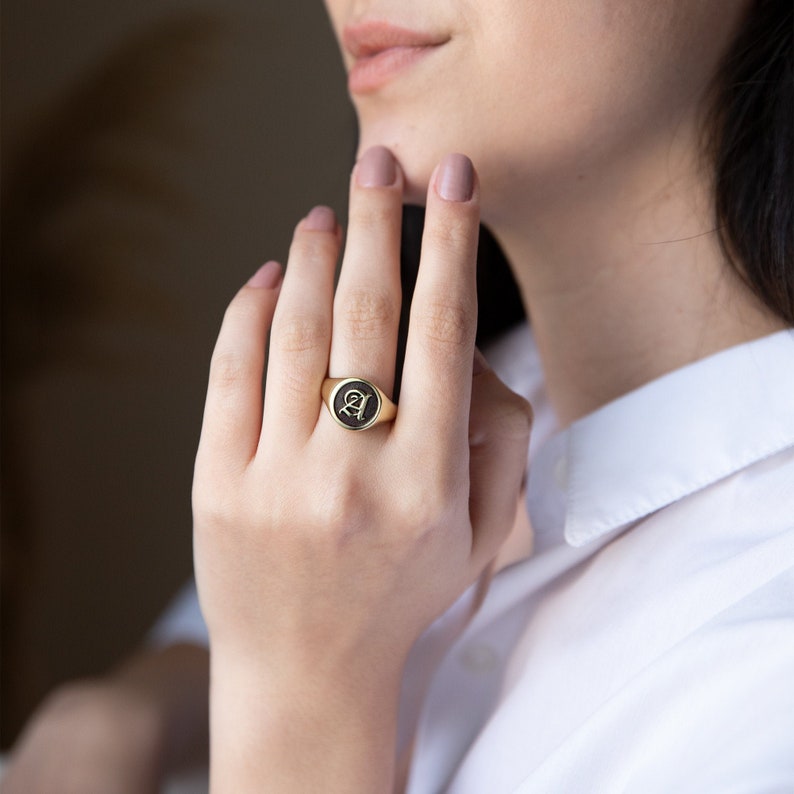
x: 417, y: 158
x: 416, y: 191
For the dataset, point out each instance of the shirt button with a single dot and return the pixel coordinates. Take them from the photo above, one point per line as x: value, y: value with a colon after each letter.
x: 479, y: 658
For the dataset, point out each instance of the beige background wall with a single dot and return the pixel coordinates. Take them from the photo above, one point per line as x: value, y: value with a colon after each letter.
x: 125, y: 232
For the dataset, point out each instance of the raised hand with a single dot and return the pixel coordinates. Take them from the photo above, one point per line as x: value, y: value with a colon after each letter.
x: 322, y: 553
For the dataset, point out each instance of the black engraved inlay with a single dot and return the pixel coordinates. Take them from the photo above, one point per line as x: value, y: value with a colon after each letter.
x: 356, y: 404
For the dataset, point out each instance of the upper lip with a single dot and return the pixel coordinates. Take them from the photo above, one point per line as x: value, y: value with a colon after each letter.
x: 365, y: 39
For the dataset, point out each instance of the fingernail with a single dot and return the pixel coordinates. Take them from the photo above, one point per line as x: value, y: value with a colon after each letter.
x: 455, y: 179
x: 480, y: 363
x: 376, y: 168
x: 320, y: 219
x: 267, y: 277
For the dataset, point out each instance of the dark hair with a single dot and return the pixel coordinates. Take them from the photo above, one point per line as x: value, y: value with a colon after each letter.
x: 749, y: 142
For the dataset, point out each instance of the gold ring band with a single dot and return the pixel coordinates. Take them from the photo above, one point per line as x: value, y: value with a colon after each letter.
x: 356, y: 403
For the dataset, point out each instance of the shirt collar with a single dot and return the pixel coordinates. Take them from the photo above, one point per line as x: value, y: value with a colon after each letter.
x: 666, y: 440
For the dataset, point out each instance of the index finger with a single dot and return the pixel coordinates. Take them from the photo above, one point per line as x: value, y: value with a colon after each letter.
x: 436, y: 387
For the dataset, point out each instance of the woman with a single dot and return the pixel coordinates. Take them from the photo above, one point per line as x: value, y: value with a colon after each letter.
x: 636, y: 647
x: 378, y: 589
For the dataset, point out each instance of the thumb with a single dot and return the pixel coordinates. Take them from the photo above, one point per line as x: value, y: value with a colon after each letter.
x: 499, y: 426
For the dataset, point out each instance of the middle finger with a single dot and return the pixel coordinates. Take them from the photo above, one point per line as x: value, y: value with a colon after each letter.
x: 367, y: 302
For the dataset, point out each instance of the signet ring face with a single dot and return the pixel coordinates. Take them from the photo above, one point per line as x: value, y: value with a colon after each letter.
x: 356, y: 403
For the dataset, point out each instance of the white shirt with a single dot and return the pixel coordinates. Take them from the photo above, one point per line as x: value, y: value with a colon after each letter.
x: 647, y: 645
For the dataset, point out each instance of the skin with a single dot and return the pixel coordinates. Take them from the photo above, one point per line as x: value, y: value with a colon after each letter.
x: 284, y: 491
x: 583, y: 120
x: 587, y: 164
x: 119, y: 734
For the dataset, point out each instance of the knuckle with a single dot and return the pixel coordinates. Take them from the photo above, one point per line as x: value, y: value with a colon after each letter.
x: 515, y: 420
x: 511, y: 418
x: 373, y: 214
x: 524, y: 410
x: 429, y: 514
x: 293, y: 384
x: 424, y: 509
x: 450, y: 325
x: 300, y: 334
x: 232, y: 368
x: 337, y: 510
x: 517, y: 416
x: 367, y: 314
x: 337, y: 513
x: 314, y: 247
x: 211, y: 508
x: 452, y: 232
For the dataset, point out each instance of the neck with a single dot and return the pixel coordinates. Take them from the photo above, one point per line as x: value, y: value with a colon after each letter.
x: 624, y: 279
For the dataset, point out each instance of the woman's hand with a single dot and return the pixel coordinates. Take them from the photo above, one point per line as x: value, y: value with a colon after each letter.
x: 321, y: 553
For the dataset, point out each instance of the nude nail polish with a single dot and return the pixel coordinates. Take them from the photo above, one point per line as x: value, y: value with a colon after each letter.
x: 455, y: 178
x: 267, y: 277
x: 320, y: 219
x: 376, y: 168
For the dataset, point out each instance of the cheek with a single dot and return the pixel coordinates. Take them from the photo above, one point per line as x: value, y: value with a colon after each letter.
x: 593, y: 81
x: 583, y: 73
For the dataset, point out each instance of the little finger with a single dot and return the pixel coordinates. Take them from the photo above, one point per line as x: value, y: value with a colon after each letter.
x: 233, y: 408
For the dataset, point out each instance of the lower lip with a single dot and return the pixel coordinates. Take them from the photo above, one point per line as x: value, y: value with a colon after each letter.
x: 370, y: 73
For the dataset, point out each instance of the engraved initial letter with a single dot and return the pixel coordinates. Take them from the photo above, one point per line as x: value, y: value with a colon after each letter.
x: 355, y: 403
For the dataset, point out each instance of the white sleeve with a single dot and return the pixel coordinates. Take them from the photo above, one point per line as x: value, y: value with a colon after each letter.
x: 182, y: 621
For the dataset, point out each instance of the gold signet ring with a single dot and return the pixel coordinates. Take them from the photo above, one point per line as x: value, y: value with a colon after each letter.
x: 357, y: 404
